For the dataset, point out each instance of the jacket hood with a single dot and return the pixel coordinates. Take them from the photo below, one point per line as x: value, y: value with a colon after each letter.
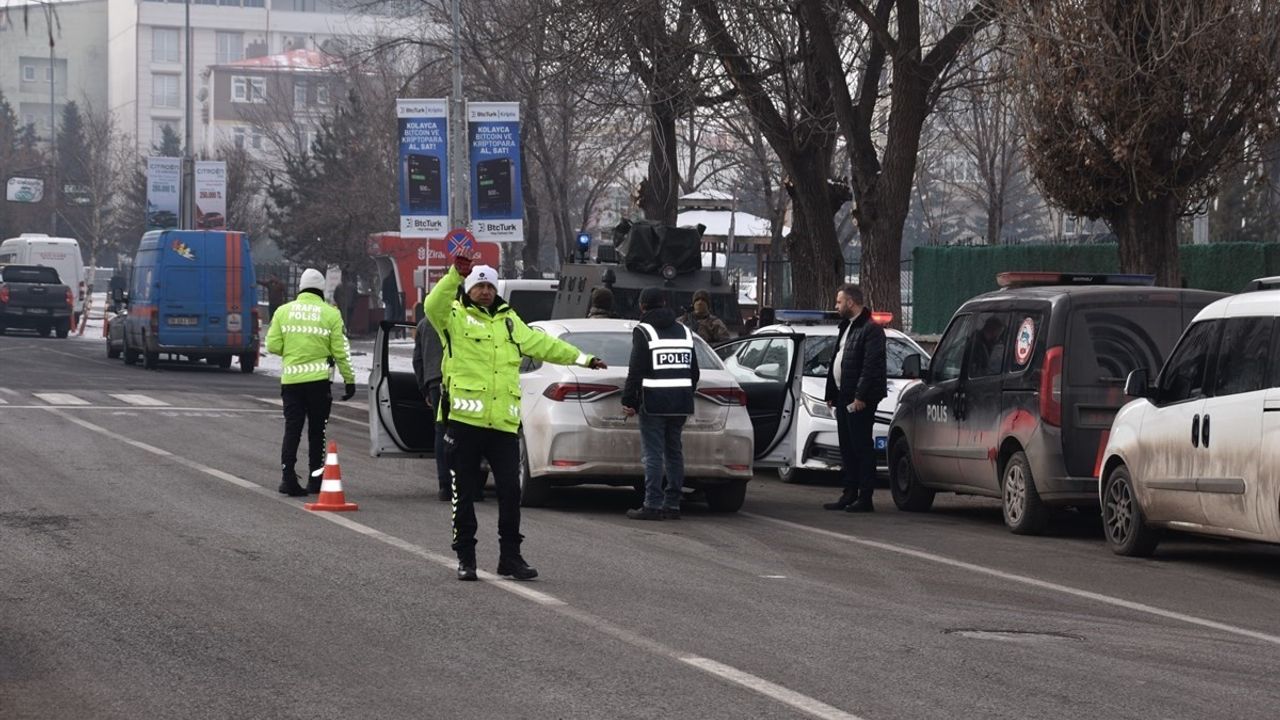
x: 659, y: 318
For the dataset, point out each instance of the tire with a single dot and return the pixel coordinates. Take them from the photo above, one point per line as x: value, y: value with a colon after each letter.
x: 1122, y: 520
x: 534, y: 492
x: 1024, y: 512
x: 247, y: 363
x: 222, y: 361
x: 908, y: 493
x: 63, y: 329
x: 112, y: 352
x: 795, y: 475
x: 726, y: 498
x: 130, y: 355
x: 46, y: 330
x: 151, y: 360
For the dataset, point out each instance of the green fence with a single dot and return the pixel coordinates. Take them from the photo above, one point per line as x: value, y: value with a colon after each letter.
x: 947, y: 276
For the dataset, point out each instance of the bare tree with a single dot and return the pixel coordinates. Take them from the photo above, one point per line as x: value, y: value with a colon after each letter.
x: 1134, y: 109
x: 95, y: 170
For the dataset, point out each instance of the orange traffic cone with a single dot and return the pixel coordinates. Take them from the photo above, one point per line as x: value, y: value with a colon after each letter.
x: 331, y: 497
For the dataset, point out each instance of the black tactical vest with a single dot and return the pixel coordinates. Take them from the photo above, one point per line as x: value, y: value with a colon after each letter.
x: 667, y: 389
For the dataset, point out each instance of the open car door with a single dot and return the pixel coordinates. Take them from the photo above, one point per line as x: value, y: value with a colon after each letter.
x: 768, y: 366
x: 400, y: 423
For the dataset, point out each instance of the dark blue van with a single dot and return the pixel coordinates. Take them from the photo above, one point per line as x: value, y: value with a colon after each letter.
x: 193, y: 293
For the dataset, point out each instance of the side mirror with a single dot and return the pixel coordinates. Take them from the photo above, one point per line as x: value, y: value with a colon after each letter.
x: 911, y: 367
x: 1136, y: 385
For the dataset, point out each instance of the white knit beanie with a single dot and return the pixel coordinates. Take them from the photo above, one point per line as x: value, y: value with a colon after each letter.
x: 312, y: 279
x: 481, y: 274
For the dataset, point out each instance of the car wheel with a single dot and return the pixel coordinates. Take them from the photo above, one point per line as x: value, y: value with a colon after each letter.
x: 247, y: 363
x: 1126, y: 528
x: 795, y: 475
x: 534, y: 492
x: 1024, y: 512
x: 113, y: 352
x: 908, y: 493
x: 223, y: 361
x: 62, y: 328
x: 726, y: 498
x: 151, y: 360
x: 46, y: 330
x: 130, y: 355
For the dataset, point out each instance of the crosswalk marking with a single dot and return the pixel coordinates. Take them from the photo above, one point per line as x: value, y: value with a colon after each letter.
x: 60, y: 399
x: 3, y: 401
x: 7, y: 391
x: 142, y: 400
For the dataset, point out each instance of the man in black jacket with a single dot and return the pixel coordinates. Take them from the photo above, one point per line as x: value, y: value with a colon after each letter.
x: 661, y: 380
x: 855, y: 386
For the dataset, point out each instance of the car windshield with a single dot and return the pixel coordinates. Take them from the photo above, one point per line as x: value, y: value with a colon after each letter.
x: 615, y: 348
x: 532, y: 305
x: 820, y: 349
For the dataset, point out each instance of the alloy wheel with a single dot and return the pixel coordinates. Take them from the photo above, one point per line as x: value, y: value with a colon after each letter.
x: 1117, y: 512
x: 1015, y: 493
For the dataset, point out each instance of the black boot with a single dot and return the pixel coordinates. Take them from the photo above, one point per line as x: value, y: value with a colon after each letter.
x: 514, y: 566
x: 467, y: 567
x: 846, y: 499
x: 289, y: 485
x: 314, y: 480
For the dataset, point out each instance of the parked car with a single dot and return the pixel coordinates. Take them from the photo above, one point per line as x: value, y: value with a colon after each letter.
x: 1022, y: 390
x: 33, y: 297
x: 1196, y: 450
x: 192, y: 294
x: 573, y: 429
x: 816, y: 440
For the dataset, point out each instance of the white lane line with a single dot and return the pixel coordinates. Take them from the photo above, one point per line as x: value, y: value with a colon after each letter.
x: 7, y: 391
x: 3, y: 401
x: 60, y: 399
x: 1026, y: 580
x: 764, y: 687
x: 280, y: 403
x: 162, y: 409
x: 143, y: 400
x: 795, y: 700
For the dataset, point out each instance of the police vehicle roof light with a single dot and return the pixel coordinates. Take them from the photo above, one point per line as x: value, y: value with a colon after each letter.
x: 1038, y: 278
x: 811, y: 317
x: 881, y: 318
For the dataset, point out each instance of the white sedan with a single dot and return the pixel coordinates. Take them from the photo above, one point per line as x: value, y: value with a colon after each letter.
x: 573, y: 428
x: 815, y: 439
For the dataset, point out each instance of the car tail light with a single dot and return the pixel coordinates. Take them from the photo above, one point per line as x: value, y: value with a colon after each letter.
x: 1051, y: 387
x: 71, y: 299
x: 724, y: 395
x: 4, y: 294
x: 581, y: 392
x: 882, y: 318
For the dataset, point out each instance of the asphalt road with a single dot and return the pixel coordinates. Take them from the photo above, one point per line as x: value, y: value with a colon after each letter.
x: 148, y: 569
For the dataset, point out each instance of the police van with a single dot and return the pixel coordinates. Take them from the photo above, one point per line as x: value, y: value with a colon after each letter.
x: 1021, y: 392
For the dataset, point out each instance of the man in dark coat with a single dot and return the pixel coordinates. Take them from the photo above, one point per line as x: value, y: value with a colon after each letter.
x: 855, y: 386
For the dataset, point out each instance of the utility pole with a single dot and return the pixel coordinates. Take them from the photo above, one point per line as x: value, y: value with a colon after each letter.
x: 188, y: 199
x: 460, y: 209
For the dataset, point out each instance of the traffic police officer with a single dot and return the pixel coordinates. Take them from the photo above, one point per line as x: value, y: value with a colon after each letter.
x: 307, y: 333
x: 484, y: 339
x: 661, y: 379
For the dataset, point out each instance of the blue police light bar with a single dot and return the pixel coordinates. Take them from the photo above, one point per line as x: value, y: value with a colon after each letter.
x: 1037, y: 278
x: 584, y: 240
x: 811, y: 317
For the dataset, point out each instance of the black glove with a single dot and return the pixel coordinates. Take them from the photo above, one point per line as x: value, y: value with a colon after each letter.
x: 349, y: 392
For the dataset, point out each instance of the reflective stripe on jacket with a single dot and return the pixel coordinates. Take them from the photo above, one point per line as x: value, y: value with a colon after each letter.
x: 667, y: 384
x: 306, y: 333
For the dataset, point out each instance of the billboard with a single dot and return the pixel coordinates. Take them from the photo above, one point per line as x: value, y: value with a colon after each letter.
x: 24, y: 190
x: 164, y: 192
x: 497, y: 204
x: 423, y: 167
x: 211, y: 195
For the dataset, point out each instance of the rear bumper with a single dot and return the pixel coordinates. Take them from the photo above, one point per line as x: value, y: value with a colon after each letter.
x: 22, y: 317
x: 205, y: 350
x: 613, y: 457
x: 822, y: 451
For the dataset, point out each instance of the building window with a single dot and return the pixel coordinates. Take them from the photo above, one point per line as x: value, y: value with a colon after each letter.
x: 299, y: 94
x: 237, y: 135
x: 248, y: 89
x: 322, y: 94
x: 28, y: 73
x: 255, y: 3
x: 164, y: 45
x: 164, y: 91
x: 206, y: 2
x: 230, y: 47
x: 255, y: 140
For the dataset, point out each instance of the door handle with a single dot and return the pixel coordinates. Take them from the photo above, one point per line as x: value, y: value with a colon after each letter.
x: 1195, y: 431
x: 1204, y: 432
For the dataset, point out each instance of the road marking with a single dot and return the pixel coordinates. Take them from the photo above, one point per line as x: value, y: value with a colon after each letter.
x: 774, y: 577
x: 61, y: 399
x: 164, y: 409
x: 139, y: 400
x: 3, y: 401
x: 7, y: 391
x: 280, y: 403
x: 795, y: 700
x: 1026, y: 580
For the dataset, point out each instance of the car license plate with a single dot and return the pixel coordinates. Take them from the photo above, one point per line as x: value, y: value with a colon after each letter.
x: 37, y: 311
x: 183, y: 320
x: 882, y: 443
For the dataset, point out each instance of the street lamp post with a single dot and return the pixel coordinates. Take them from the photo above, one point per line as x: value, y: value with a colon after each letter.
x: 53, y: 129
x: 461, y: 201
x: 188, y: 158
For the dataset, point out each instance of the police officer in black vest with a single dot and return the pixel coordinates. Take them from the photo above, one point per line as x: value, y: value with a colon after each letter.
x: 661, y: 380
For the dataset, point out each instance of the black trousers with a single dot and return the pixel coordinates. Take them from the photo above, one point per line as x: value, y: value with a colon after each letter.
x: 857, y: 451
x: 466, y: 445
x: 307, y: 403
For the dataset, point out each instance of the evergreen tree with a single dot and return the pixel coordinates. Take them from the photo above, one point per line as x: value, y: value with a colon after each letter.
x: 20, y: 156
x: 73, y: 174
x: 170, y: 144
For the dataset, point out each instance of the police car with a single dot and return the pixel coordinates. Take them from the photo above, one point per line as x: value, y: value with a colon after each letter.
x: 813, y: 430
